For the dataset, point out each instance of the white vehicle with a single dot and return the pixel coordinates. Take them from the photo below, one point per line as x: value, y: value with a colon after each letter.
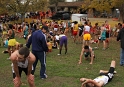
x: 79, y: 18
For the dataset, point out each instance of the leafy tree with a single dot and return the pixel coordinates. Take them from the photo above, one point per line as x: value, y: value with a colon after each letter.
x: 3, y: 6
x: 38, y: 5
x: 22, y: 6
x: 56, y: 3
x: 102, y: 5
x: 98, y: 5
x: 80, y: 0
x: 120, y: 5
x: 86, y: 4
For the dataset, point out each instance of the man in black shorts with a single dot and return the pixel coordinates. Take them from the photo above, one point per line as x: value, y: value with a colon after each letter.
x: 102, y: 79
x: 22, y: 60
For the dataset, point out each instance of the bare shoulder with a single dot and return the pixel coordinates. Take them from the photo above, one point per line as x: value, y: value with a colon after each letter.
x: 31, y: 57
x: 9, y: 31
x: 14, y: 55
x: 91, y: 49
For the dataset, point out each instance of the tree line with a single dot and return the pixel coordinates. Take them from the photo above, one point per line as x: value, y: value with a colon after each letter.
x: 23, y: 6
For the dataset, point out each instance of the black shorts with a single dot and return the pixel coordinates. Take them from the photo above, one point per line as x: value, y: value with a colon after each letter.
x: 23, y: 69
x: 110, y: 74
x: 80, y: 32
x: 107, y: 34
x: 57, y: 41
x: 86, y: 55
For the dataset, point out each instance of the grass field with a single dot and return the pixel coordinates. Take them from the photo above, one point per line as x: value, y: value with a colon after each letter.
x: 64, y: 70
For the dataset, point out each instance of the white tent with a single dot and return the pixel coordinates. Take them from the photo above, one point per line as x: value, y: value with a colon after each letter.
x: 78, y: 17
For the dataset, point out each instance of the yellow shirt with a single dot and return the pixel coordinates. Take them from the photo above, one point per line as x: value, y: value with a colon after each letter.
x: 49, y: 45
x: 76, y: 27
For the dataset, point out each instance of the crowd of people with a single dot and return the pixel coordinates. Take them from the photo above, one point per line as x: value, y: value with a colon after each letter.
x: 44, y: 36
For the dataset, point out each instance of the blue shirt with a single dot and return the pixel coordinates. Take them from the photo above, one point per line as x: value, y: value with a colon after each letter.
x: 38, y: 41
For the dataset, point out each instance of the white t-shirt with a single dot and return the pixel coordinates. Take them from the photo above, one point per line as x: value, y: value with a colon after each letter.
x: 72, y: 24
x: 57, y: 37
x: 102, y: 78
x: 64, y: 24
x: 87, y: 28
x: 61, y: 35
x: 22, y: 65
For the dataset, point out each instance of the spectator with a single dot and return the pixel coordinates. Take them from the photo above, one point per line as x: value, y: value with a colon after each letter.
x: 120, y: 38
x: 39, y: 49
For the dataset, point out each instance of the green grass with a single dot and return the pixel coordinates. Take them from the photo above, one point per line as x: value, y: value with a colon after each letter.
x: 64, y: 71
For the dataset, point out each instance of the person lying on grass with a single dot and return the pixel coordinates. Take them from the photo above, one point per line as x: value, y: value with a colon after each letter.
x: 87, y: 52
x: 102, y: 79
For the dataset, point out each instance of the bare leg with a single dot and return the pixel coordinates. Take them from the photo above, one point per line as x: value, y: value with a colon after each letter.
x: 105, y: 71
x: 31, y: 80
x: 60, y: 49
x: 17, y: 83
x: 65, y: 49
x: 87, y: 42
x: 9, y: 50
x: 113, y: 63
x: 84, y: 43
x: 107, y: 42
x: 74, y: 39
x: 104, y: 44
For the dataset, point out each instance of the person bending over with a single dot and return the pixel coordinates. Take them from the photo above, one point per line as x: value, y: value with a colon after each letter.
x: 63, y: 40
x: 22, y: 60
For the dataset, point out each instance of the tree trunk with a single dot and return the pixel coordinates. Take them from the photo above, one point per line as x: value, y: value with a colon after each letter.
x: 22, y: 17
x: 56, y: 6
x: 121, y: 9
x: 90, y: 13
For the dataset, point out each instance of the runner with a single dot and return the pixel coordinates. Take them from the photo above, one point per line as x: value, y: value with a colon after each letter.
x: 22, y: 60
x: 63, y: 40
x: 87, y: 52
x: 102, y: 79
